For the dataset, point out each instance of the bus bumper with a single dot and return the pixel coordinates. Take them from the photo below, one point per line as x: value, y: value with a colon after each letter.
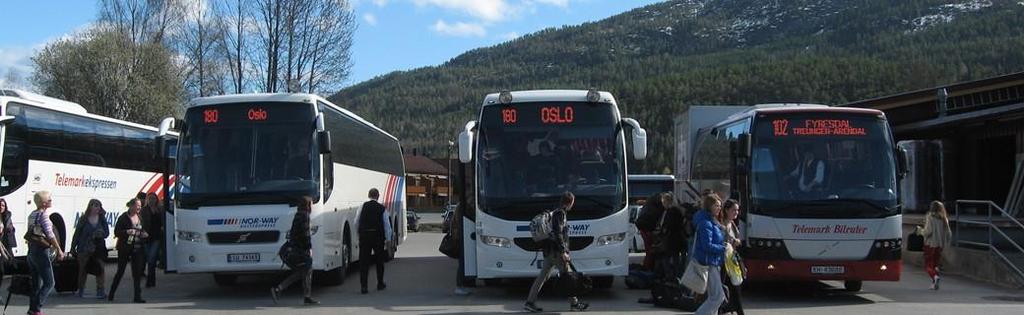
x: 493, y: 262
x: 870, y: 270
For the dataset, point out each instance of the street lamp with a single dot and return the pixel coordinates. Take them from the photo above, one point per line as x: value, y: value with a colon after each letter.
x: 449, y: 158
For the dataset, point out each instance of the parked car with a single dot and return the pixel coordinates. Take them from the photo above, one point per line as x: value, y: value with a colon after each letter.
x: 413, y: 220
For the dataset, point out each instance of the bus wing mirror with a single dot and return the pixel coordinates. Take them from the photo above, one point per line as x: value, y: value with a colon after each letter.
x: 6, y: 120
x: 901, y: 163
x: 466, y: 142
x: 324, y: 141
x: 743, y: 146
x: 639, y: 138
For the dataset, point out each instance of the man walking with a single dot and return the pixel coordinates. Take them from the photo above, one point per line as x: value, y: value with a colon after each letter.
x: 556, y: 254
x: 374, y: 231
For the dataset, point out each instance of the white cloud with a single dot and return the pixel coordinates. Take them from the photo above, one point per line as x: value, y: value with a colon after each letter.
x: 370, y: 19
x: 380, y: 3
x: 485, y: 10
x: 460, y: 29
x: 509, y: 36
x: 557, y: 3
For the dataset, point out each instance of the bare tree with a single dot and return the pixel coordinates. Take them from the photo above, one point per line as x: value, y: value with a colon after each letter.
x: 235, y: 20
x: 270, y: 16
x: 13, y: 79
x: 306, y: 44
x: 197, y: 40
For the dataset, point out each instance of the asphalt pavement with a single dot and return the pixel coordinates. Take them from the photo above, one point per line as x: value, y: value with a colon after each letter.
x: 421, y: 281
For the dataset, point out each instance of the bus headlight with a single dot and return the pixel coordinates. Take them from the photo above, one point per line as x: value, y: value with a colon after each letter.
x: 496, y: 241
x: 190, y: 236
x: 611, y: 239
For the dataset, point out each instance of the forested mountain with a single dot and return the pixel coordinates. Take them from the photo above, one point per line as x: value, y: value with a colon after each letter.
x: 663, y: 57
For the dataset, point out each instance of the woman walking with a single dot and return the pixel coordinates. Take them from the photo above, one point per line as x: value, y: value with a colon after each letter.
x: 42, y: 243
x: 936, y: 236
x: 89, y: 245
x: 130, y: 238
x: 731, y: 210
x: 709, y: 250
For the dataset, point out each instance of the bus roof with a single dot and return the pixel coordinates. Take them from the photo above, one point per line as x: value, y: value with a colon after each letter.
x: 42, y: 101
x: 549, y: 96
x: 650, y: 177
x: 281, y: 97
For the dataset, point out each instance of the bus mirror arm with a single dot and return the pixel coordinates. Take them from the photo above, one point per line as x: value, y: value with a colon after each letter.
x: 901, y: 163
x: 6, y: 120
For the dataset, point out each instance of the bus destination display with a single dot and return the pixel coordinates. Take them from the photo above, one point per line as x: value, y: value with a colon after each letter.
x: 816, y: 127
x: 549, y: 115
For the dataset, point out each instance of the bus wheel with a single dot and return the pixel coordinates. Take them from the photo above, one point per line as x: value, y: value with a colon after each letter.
x: 853, y: 285
x: 225, y: 280
x: 604, y: 282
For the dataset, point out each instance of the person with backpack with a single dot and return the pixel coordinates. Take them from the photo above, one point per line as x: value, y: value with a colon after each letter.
x: 374, y: 232
x: 647, y: 223
x: 89, y: 245
x: 556, y: 253
x: 42, y: 243
x: 299, y: 239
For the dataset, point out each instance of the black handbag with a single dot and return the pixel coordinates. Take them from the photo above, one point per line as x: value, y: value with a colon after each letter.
x: 915, y: 242
x: 659, y: 242
x: 448, y: 246
x: 576, y: 283
x: 292, y: 257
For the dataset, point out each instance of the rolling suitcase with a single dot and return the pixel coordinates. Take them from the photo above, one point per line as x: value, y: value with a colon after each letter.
x: 65, y: 274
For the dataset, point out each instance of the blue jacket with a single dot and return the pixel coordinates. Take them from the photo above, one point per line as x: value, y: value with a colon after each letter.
x: 709, y: 245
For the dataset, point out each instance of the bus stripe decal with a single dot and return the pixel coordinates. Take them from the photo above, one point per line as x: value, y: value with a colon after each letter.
x: 387, y: 195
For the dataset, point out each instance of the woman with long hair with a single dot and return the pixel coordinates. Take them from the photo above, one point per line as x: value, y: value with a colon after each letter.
x: 937, y: 235
x: 89, y: 245
x: 730, y: 211
x: 709, y: 250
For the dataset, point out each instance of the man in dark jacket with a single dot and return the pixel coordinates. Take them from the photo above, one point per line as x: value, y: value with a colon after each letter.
x: 647, y: 222
x: 374, y: 230
x: 556, y: 255
x: 299, y: 237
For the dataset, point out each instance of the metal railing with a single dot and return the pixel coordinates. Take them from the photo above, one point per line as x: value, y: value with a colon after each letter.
x: 992, y: 227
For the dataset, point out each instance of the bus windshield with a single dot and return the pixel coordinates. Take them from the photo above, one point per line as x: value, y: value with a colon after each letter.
x: 823, y: 164
x: 247, y: 153
x: 530, y: 153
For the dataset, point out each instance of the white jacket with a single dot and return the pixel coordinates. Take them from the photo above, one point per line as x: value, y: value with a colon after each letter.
x: 936, y: 231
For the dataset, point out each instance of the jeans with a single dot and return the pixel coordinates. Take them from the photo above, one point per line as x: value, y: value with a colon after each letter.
x: 135, y: 257
x: 551, y: 261
x: 715, y: 294
x: 41, y: 269
x: 152, y: 253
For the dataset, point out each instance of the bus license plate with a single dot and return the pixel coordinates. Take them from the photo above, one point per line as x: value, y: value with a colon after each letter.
x: 244, y: 258
x: 828, y: 270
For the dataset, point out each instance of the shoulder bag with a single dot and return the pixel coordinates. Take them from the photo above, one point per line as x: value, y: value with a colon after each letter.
x: 695, y: 277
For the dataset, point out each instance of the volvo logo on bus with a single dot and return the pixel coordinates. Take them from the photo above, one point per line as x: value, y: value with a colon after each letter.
x: 243, y: 237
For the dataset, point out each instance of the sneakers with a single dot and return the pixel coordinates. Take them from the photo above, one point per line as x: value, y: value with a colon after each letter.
x: 101, y: 294
x: 381, y: 286
x: 532, y: 308
x: 579, y: 307
x: 310, y: 301
x: 936, y: 282
x: 275, y: 294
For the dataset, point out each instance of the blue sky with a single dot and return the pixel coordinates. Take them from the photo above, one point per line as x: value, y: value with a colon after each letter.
x: 392, y: 34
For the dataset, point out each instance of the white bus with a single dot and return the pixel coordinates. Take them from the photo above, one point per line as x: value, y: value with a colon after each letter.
x: 55, y: 145
x: 244, y: 160
x: 526, y: 149
x: 817, y: 186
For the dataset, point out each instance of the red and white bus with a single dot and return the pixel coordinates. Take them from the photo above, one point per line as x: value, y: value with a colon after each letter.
x: 818, y: 189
